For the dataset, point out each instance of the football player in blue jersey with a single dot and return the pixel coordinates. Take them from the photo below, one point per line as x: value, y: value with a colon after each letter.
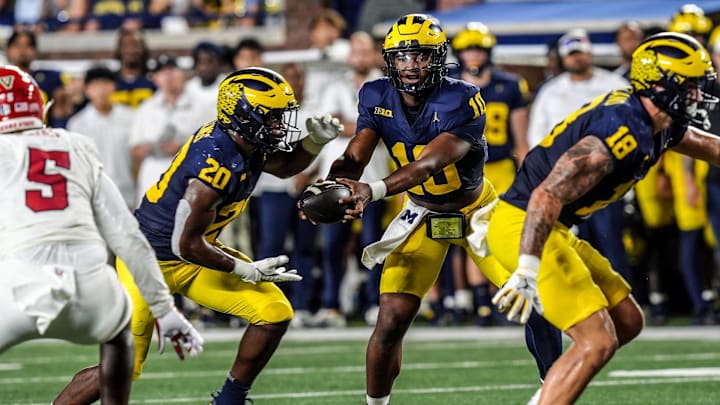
x: 586, y: 162
x: 207, y: 185
x: 433, y: 127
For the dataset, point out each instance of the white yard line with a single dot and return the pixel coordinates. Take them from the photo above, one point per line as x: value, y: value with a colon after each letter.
x: 426, y: 390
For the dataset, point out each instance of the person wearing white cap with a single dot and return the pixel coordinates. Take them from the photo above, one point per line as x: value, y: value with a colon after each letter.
x: 580, y: 83
x: 559, y: 97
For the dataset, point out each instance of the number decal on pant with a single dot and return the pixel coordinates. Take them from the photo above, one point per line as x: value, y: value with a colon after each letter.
x: 40, y: 161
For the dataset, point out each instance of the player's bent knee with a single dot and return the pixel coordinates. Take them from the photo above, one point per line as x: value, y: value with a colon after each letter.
x: 275, y: 312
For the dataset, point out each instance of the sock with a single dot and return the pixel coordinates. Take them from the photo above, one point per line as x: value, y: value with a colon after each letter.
x: 233, y: 391
x: 482, y: 299
x: 377, y: 401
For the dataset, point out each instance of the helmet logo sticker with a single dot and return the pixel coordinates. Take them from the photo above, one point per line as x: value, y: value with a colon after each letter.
x: 7, y: 82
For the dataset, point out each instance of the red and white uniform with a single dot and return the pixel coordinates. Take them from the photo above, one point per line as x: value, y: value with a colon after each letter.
x: 58, y: 214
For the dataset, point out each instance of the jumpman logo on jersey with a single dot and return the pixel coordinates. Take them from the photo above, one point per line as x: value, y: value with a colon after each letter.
x: 435, y: 117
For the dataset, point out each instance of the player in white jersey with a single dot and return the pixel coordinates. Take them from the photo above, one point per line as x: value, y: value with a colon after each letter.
x: 58, y: 214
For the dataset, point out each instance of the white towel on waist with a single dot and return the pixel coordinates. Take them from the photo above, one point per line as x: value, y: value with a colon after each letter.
x: 479, y: 221
x: 45, y: 293
x: 401, y: 226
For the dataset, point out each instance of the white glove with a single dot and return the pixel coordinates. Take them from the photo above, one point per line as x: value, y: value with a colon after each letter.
x: 265, y: 270
x: 181, y: 333
x: 519, y: 295
x: 321, y: 129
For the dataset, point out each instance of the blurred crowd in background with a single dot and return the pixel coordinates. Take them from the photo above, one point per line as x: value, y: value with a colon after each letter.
x: 661, y: 237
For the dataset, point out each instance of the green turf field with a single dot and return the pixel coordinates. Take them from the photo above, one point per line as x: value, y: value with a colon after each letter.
x: 320, y: 368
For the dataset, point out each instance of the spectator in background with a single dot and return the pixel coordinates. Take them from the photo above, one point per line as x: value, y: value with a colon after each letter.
x: 627, y: 37
x: 65, y: 15
x: 208, y: 65
x: 561, y: 96
x: 109, y: 126
x: 22, y: 51
x: 248, y: 52
x: 325, y: 35
x: 114, y: 14
x: 377, y: 11
x: 340, y: 100
x: 133, y: 85
x: 162, y: 123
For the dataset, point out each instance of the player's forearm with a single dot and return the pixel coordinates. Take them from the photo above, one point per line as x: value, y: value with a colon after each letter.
x: 346, y: 167
x: 411, y: 175
x: 288, y: 164
x: 542, y: 212
x: 202, y: 253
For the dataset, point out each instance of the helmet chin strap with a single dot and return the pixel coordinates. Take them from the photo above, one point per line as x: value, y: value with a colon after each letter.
x: 476, y: 70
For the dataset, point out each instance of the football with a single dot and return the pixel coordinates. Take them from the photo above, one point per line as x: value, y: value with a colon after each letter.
x: 319, y: 201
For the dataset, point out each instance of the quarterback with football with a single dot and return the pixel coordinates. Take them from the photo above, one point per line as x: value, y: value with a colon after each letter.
x: 432, y: 126
x: 60, y: 212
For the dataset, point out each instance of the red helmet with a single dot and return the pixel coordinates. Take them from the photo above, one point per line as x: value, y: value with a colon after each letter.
x: 21, y: 104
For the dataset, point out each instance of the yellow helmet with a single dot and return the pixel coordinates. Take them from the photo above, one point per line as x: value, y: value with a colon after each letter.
x: 679, y: 65
x: 416, y: 33
x: 474, y: 35
x: 259, y: 105
x: 690, y: 19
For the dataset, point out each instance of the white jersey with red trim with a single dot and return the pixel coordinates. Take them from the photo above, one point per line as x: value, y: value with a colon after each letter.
x: 49, y: 178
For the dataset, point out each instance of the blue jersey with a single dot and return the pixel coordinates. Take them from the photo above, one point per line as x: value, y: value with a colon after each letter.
x: 619, y: 120
x: 209, y: 156
x: 505, y: 93
x: 455, y: 107
x: 132, y: 92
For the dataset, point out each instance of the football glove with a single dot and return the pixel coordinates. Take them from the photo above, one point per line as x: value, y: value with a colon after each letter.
x: 265, y: 270
x: 519, y: 295
x: 321, y: 129
x: 181, y: 333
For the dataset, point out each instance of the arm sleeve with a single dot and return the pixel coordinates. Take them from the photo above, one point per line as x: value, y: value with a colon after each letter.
x: 123, y: 236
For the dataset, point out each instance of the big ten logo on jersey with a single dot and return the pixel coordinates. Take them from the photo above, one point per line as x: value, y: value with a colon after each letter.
x: 385, y: 112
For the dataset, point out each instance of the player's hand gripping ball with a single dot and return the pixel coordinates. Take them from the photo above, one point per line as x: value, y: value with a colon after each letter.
x: 319, y: 201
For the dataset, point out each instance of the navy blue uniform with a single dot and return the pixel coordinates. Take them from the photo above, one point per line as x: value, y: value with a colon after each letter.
x: 454, y: 106
x: 619, y: 120
x: 209, y: 156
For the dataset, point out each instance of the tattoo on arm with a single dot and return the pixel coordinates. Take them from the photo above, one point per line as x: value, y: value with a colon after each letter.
x: 574, y: 174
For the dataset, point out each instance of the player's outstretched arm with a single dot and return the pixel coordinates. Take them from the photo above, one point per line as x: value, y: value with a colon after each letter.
x: 356, y: 156
x: 321, y: 129
x: 701, y: 145
x: 194, y: 214
x: 121, y: 231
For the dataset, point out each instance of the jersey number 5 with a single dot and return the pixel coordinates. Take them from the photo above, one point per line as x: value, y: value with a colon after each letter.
x: 37, y: 172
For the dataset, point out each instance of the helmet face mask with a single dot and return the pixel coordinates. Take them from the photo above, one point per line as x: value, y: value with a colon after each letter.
x: 415, y: 49
x: 259, y: 105
x: 675, y: 72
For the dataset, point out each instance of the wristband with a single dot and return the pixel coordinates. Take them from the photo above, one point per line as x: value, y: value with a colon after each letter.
x: 378, y: 189
x: 530, y: 262
x: 310, y: 146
